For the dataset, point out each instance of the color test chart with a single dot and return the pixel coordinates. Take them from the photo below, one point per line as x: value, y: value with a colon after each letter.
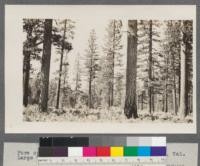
x: 71, y: 151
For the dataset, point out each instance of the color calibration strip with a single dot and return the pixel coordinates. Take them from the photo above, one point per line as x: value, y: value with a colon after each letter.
x: 126, y: 151
x: 116, y: 150
x: 81, y: 147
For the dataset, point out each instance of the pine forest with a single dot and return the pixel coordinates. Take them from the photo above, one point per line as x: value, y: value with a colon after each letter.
x: 112, y: 71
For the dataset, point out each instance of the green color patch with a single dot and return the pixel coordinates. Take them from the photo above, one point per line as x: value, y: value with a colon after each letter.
x: 130, y: 151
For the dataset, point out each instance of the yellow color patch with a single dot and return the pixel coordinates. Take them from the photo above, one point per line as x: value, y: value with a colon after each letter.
x: 117, y: 151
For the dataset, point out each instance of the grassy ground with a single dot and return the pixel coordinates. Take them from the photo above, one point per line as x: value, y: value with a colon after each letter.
x: 33, y: 114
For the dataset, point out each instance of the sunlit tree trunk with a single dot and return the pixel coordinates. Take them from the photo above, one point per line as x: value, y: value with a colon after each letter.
x: 130, y: 108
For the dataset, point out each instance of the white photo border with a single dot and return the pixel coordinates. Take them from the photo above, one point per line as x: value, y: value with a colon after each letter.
x: 14, y: 14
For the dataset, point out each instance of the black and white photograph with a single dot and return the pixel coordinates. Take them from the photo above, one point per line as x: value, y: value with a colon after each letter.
x: 99, y: 69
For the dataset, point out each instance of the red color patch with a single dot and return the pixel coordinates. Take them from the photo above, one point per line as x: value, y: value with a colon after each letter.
x: 103, y: 151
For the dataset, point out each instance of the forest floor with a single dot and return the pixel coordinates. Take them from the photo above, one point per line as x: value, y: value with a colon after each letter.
x: 113, y: 114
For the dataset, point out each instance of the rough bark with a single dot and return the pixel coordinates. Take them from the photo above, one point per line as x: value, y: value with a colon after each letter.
x: 130, y: 108
x: 61, y: 65
x: 26, y: 76
x: 26, y: 69
x: 46, y: 58
x: 185, y: 53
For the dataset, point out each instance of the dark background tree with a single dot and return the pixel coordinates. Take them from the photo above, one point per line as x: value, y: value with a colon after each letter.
x: 186, y: 61
x: 31, y: 50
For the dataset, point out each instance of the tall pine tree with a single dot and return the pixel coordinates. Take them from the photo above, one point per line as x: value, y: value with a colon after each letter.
x: 31, y: 50
x: 112, y: 49
x: 92, y: 66
x: 130, y: 108
x: 63, y: 46
x: 186, y: 62
x: 46, y: 58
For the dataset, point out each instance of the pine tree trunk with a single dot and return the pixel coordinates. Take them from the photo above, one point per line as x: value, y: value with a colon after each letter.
x: 77, y: 83
x: 130, y: 108
x: 113, y: 68
x: 26, y: 76
x: 90, y: 92
x: 112, y: 95
x: 179, y: 70
x: 179, y: 85
x: 61, y: 65
x: 179, y: 75
x: 26, y: 68
x: 175, y: 101
x: 142, y: 101
x: 185, y: 53
x: 46, y: 58
x: 166, y: 94
x: 183, y: 86
x: 153, y: 101
x: 163, y: 103
x: 150, y: 67
x: 138, y: 102
x: 174, y: 87
x: 166, y: 103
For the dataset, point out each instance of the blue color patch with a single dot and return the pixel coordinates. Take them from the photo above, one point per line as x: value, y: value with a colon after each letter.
x: 144, y: 151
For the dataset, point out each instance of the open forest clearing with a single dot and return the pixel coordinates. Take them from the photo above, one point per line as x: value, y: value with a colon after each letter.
x: 126, y: 71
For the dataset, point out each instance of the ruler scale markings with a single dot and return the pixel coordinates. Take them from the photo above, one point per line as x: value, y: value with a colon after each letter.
x: 97, y: 160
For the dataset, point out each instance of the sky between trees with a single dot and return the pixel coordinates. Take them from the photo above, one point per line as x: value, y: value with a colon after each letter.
x: 80, y: 43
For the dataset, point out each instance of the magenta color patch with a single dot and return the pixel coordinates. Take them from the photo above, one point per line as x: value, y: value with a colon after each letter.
x: 89, y: 151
